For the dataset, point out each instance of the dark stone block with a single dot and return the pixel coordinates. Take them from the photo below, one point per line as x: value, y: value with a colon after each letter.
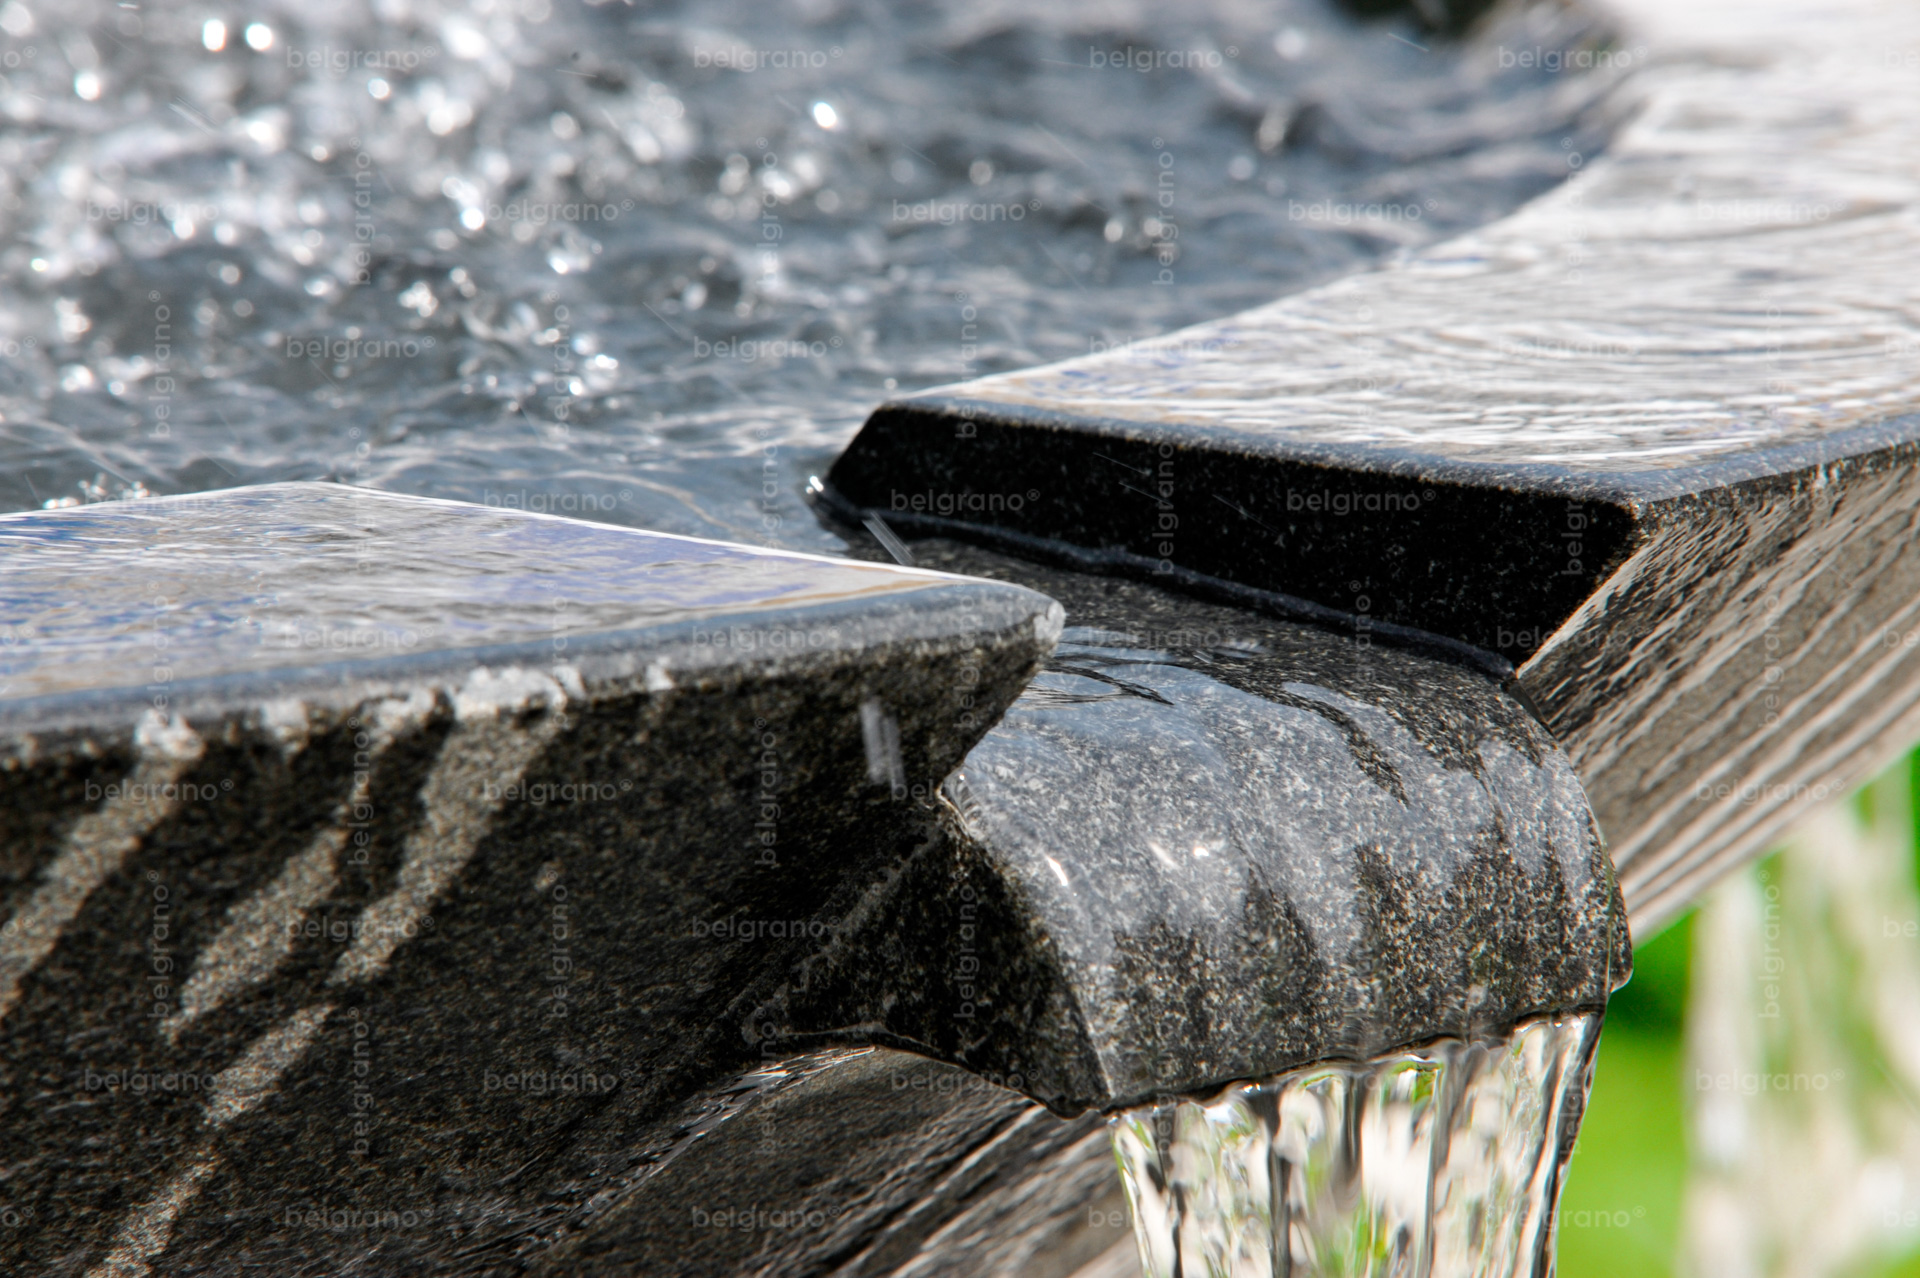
x: 430, y: 933
x: 439, y: 961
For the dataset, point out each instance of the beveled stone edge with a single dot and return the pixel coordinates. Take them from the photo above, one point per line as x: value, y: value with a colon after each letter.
x: 1632, y: 490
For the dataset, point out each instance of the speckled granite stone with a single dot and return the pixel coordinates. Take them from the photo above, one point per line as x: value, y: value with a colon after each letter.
x: 861, y: 1163
x: 335, y: 950
x: 379, y: 872
x: 1207, y: 845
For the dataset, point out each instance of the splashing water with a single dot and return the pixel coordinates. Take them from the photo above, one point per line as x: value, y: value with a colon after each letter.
x: 652, y: 265
x: 1440, y: 1162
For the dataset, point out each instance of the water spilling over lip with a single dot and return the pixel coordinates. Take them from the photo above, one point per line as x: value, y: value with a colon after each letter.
x: 651, y: 268
x: 1445, y: 1160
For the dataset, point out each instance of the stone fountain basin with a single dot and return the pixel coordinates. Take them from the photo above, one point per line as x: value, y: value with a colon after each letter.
x: 1620, y: 486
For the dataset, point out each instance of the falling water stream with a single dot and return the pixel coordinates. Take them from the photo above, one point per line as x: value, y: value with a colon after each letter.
x: 1440, y: 1162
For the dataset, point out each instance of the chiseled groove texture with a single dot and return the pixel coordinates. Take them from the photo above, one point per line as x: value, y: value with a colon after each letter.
x: 146, y: 1230
x: 259, y: 933
x: 1782, y: 616
x: 95, y: 848
x: 1735, y: 273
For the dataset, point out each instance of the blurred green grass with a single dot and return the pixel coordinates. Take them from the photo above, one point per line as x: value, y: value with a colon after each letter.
x: 1620, y: 1212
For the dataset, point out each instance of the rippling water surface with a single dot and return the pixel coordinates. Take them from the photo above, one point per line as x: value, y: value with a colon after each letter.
x: 651, y: 264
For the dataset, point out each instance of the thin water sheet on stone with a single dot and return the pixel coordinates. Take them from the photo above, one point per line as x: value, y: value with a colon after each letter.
x: 1252, y: 844
x: 651, y: 265
x: 299, y: 575
x: 1735, y: 275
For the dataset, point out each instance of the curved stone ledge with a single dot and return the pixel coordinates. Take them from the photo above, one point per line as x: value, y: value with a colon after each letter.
x: 1206, y: 845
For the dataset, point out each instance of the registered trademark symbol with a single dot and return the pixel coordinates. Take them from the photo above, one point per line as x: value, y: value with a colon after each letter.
x: 1033, y: 494
x: 153, y: 297
x: 1033, y: 204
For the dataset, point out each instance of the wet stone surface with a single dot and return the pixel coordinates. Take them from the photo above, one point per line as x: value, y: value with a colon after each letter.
x: 461, y: 948
x: 631, y: 263
x: 435, y: 944
x: 1206, y: 845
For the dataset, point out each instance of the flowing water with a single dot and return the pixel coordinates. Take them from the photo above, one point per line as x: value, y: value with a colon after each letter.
x: 652, y: 264
x: 1441, y: 1162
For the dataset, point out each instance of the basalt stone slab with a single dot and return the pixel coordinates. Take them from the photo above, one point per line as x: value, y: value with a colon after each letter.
x: 1652, y: 439
x: 381, y: 875
x: 1207, y: 845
